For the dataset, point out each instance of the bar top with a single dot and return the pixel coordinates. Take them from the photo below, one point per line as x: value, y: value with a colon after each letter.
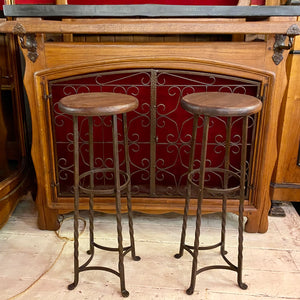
x: 149, y: 10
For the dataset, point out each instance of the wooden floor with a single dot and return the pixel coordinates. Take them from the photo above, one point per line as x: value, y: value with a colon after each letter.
x: 37, y: 264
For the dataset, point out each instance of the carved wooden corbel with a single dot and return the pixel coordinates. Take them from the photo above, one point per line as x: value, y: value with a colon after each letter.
x: 27, y: 41
x: 280, y: 45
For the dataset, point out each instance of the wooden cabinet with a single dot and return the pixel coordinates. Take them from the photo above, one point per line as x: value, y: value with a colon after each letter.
x: 59, y: 61
x: 285, y: 185
x: 14, y: 158
x: 49, y: 63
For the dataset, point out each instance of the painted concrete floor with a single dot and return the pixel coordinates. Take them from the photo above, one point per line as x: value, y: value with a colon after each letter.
x: 37, y: 264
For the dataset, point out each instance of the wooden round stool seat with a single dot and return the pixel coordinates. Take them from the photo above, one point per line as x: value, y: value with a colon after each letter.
x: 221, y: 104
x: 97, y: 104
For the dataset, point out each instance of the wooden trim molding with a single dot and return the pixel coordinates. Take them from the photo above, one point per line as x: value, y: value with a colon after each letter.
x: 151, y: 26
x: 285, y: 192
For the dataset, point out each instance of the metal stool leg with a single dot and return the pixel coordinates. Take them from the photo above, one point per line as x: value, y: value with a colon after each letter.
x: 76, y: 202
x: 226, y: 167
x: 241, y: 206
x: 129, y: 205
x: 189, y: 187
x: 124, y: 292
x: 190, y: 290
x: 91, y: 200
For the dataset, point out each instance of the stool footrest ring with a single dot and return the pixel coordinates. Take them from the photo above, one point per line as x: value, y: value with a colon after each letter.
x: 101, y: 192
x: 217, y: 189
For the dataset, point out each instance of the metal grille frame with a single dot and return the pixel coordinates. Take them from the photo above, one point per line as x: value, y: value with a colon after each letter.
x: 154, y: 126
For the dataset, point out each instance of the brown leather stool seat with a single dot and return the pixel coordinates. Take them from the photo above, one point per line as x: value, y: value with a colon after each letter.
x: 101, y: 104
x: 216, y: 104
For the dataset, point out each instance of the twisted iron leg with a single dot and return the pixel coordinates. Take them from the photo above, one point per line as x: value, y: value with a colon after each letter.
x: 223, y: 230
x: 184, y: 223
x: 188, y: 197
x: 91, y: 199
x: 129, y: 205
x: 124, y: 292
x: 76, y: 203
x: 190, y: 290
x: 226, y: 167
x: 241, y: 205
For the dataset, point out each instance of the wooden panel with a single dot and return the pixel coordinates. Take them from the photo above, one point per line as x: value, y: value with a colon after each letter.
x: 286, y: 180
x: 285, y: 192
x: 290, y: 171
x: 4, y: 62
x: 249, y: 54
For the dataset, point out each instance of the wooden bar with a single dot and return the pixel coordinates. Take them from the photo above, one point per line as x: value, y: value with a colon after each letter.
x: 54, y: 61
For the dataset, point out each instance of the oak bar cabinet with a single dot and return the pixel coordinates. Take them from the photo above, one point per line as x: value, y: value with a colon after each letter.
x: 158, y: 54
x: 285, y: 184
x: 15, y: 176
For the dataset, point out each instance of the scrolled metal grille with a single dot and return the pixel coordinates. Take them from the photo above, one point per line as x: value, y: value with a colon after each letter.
x: 159, y: 130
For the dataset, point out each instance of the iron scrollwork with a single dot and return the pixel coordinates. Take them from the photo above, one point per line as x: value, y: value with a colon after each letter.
x: 27, y: 41
x: 159, y: 135
x: 280, y: 45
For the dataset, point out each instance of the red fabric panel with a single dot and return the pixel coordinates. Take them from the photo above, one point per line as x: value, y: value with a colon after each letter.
x: 258, y: 2
x: 35, y: 2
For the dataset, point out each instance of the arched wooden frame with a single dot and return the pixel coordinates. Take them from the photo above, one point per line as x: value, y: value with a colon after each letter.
x: 256, y: 208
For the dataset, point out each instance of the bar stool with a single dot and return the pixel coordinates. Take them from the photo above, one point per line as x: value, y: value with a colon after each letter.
x: 101, y: 104
x: 216, y: 104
